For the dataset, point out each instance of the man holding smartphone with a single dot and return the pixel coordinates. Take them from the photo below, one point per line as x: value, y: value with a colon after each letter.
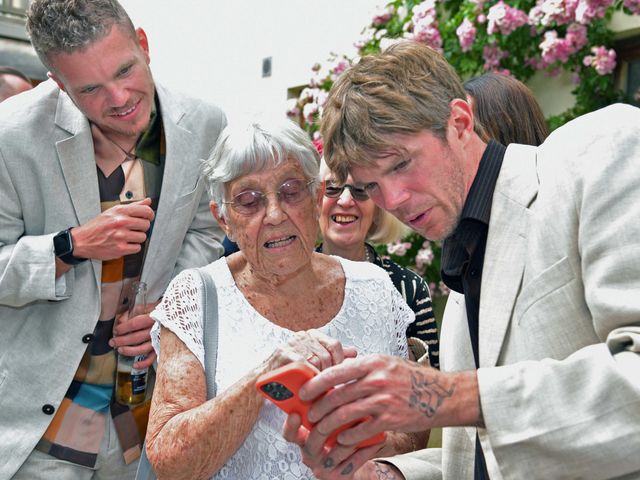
x: 540, y: 343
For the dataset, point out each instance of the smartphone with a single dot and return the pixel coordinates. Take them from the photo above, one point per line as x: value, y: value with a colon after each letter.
x: 282, y: 385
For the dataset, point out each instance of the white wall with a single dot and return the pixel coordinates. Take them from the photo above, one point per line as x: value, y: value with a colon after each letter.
x: 213, y: 49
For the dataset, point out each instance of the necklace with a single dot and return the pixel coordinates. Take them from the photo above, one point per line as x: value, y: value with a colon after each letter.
x: 128, y: 154
x: 368, y: 256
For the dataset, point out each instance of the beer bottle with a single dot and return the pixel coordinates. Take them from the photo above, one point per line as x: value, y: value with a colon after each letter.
x: 131, y: 383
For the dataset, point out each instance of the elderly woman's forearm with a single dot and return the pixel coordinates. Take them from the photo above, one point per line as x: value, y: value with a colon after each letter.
x: 189, y: 437
x: 196, y: 443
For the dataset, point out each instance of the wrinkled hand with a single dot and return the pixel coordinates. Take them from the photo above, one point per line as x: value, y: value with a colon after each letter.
x: 311, y: 346
x: 118, y: 231
x: 339, y: 462
x: 131, y: 336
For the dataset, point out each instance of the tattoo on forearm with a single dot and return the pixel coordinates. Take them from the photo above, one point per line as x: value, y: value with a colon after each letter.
x: 427, y: 395
x: 384, y: 472
x: 347, y: 470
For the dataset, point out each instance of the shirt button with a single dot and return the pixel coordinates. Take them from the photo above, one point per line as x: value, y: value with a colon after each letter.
x: 128, y: 194
x: 473, y: 273
x: 87, y: 338
x: 48, y: 409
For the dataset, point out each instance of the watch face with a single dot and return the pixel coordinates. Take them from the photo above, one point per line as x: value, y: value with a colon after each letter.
x: 62, y: 243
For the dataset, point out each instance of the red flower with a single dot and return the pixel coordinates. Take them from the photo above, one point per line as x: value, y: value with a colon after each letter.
x: 318, y: 144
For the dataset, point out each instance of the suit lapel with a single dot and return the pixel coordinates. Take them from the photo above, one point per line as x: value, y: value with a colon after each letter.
x: 505, y: 254
x: 77, y: 160
x: 179, y: 144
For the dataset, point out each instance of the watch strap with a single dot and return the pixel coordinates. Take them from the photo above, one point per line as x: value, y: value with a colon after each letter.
x: 63, y: 248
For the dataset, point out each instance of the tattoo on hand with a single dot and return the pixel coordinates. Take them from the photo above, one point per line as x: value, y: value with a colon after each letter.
x: 384, y: 472
x: 328, y: 463
x: 427, y: 394
x: 347, y: 470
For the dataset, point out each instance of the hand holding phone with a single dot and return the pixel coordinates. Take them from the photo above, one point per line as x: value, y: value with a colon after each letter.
x: 282, y: 385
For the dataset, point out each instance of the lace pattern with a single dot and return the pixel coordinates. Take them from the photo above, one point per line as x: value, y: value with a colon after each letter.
x: 373, y: 319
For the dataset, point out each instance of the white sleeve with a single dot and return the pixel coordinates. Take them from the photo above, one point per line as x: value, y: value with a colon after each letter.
x: 181, y: 312
x: 403, y: 316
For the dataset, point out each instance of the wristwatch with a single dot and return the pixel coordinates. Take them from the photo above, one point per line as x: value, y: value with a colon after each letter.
x: 63, y: 248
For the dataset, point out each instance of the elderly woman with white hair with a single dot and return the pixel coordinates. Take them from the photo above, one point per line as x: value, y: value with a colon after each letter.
x: 279, y: 301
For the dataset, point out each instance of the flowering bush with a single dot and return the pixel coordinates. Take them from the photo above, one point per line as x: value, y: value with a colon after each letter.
x: 516, y: 37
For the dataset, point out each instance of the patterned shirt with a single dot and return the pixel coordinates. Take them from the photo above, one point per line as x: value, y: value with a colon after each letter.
x: 415, y: 293
x: 76, y: 431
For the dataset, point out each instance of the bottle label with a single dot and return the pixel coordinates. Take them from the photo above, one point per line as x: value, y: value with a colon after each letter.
x: 138, y: 382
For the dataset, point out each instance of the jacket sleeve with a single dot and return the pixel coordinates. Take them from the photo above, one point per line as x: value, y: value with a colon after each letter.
x: 27, y: 262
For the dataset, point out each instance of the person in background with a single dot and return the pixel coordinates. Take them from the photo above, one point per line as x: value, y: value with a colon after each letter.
x: 99, y: 186
x: 278, y: 302
x: 505, y: 110
x: 349, y: 223
x: 540, y: 340
x: 12, y: 82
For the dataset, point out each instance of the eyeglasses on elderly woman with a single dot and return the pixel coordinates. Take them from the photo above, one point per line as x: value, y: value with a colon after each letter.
x: 250, y: 202
x: 334, y: 191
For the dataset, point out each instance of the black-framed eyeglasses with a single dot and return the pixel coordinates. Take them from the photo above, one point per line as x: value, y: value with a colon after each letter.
x: 333, y: 191
x: 251, y: 202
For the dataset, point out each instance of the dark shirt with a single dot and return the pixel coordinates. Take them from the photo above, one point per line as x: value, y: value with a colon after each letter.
x: 463, y: 254
x: 463, y: 251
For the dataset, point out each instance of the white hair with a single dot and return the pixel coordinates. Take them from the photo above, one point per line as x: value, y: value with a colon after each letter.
x: 247, y: 148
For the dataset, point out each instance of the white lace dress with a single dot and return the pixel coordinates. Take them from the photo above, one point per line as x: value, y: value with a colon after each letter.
x: 373, y: 319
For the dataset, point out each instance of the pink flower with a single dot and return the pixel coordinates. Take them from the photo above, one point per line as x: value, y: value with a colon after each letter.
x: 466, y: 34
x: 383, y: 16
x: 548, y: 11
x: 492, y: 56
x: 317, y: 142
x: 340, y: 67
x: 603, y: 60
x: 589, y: 10
x: 309, y: 110
x: 505, y: 19
x: 398, y: 248
x: 424, y: 8
x: 424, y: 258
x: 576, y: 36
x: 479, y: 5
x: 633, y: 6
x: 555, y: 49
x: 293, y: 113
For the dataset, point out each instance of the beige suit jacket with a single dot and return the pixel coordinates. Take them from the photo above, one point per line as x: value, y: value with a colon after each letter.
x: 48, y: 182
x: 559, y: 336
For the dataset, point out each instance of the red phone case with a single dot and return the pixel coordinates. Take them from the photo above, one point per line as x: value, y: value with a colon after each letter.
x: 281, y: 386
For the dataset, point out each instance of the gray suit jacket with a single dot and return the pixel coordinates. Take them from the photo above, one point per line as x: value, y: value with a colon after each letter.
x: 48, y: 182
x: 559, y: 335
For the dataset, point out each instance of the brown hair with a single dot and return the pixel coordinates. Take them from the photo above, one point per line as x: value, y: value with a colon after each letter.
x: 405, y: 89
x: 506, y: 110
x: 66, y: 26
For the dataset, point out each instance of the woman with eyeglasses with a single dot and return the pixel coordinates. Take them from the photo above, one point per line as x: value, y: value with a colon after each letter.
x: 279, y: 302
x: 349, y: 224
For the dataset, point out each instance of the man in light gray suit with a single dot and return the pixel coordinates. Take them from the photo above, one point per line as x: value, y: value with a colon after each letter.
x: 100, y: 186
x: 541, y: 334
